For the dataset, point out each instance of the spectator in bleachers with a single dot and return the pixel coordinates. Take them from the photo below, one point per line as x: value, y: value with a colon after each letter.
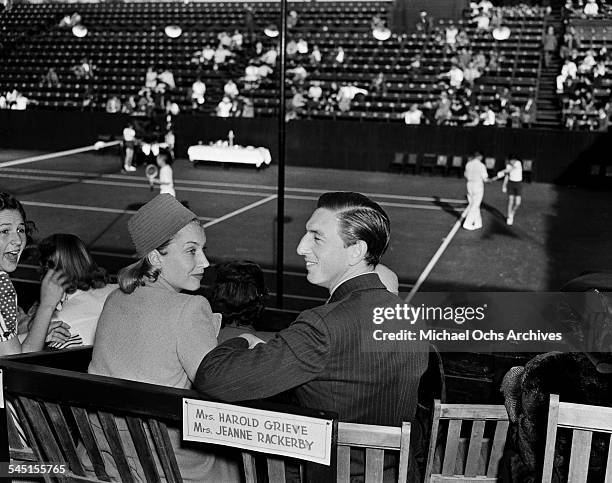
x: 21, y: 102
x: 50, y: 79
x: 346, y: 94
x: 471, y: 73
x: 549, y: 43
x: 485, y: 6
x: 455, y: 76
x: 222, y: 53
x: 299, y: 74
x: 339, y: 56
x: 569, y: 70
x: 315, y: 92
x: 495, y: 60
x: 424, y: 23
x: 378, y: 86
x: 249, y: 22
x: 315, y: 56
x: 150, y: 78
x: 502, y: 118
x: 451, y: 35
x: 269, y: 56
x: 224, y: 39
x: 413, y: 115
x: 198, y: 91
x: 166, y: 77
x: 237, y: 40
x: 248, y: 109
x: 230, y: 89
x: 292, y: 19
x: 3, y: 104
x: 302, y: 46
x: 462, y: 39
x: 487, y: 116
x: 87, y: 102
x: 591, y: 8
x: 503, y: 99
x: 464, y: 57
x: 442, y: 113
x: 588, y: 62
x: 528, y: 112
x: 482, y: 21
x: 291, y: 49
x: 113, y: 105
x: 480, y: 60
x: 224, y: 108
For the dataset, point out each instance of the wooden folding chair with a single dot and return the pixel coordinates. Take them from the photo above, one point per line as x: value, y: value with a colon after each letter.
x: 584, y: 421
x: 456, y: 166
x: 441, y: 164
x: 397, y: 164
x: 428, y: 163
x: 412, y: 162
x: 466, y: 459
x: 376, y: 440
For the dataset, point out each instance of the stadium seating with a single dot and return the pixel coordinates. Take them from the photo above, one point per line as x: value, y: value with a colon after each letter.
x: 126, y: 38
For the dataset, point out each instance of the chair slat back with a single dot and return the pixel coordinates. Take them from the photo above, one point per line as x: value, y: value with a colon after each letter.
x: 461, y: 458
x: 376, y: 440
x: 583, y: 420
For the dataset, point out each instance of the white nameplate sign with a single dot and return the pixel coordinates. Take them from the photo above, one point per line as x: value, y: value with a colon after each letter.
x: 271, y: 432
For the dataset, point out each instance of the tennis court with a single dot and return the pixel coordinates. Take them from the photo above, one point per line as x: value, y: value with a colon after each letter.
x: 559, y: 232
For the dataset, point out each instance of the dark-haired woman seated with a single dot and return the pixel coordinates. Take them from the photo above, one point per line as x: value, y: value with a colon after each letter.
x: 239, y: 295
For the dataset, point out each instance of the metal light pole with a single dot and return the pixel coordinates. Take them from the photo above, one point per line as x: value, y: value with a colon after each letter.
x: 280, y: 206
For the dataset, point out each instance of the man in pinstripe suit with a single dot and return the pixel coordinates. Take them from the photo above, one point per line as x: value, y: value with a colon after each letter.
x: 324, y: 356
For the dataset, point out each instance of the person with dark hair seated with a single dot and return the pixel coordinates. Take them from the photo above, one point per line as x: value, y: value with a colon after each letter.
x: 86, y: 291
x: 239, y: 295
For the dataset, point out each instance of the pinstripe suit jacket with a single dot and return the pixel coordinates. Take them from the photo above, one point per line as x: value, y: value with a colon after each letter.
x: 323, y: 358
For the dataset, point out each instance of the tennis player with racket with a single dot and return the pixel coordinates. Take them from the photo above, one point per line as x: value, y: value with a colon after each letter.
x: 165, y: 180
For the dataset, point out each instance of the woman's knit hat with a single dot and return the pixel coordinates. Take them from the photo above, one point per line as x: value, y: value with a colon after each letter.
x: 158, y: 221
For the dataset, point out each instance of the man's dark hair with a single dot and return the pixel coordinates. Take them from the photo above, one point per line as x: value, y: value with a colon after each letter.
x: 359, y: 218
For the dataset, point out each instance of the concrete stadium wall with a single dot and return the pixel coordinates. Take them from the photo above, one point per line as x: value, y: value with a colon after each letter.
x: 559, y: 156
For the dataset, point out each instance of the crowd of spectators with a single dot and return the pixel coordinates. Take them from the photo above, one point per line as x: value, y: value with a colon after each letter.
x: 582, y: 82
x: 14, y: 100
x: 587, y: 8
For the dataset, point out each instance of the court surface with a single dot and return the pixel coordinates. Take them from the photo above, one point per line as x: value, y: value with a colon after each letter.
x: 559, y: 232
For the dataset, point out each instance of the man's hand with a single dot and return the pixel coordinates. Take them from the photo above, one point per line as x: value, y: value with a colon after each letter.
x: 252, y: 339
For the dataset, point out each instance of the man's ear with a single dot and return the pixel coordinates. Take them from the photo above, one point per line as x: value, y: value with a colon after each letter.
x: 358, y: 252
x: 154, y: 258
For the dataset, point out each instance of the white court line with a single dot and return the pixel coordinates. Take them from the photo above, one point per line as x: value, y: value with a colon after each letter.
x: 436, y: 257
x: 247, y: 186
x: 240, y: 210
x: 90, y: 208
x: 144, y: 184
x: 58, y: 154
